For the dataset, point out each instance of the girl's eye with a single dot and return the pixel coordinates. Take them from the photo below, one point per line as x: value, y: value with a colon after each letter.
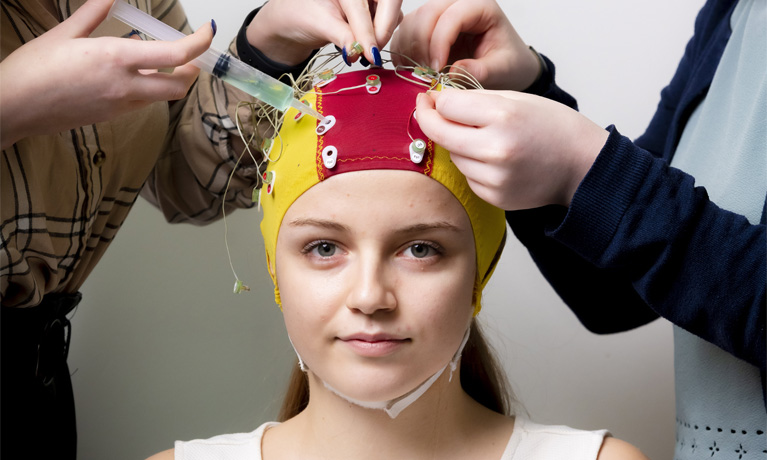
x: 420, y: 250
x: 324, y: 249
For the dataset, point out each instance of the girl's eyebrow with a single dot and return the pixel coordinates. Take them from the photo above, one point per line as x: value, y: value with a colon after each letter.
x: 332, y: 225
x: 309, y: 222
x: 428, y: 226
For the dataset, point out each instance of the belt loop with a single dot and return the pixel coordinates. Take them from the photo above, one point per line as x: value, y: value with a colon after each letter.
x: 53, y: 344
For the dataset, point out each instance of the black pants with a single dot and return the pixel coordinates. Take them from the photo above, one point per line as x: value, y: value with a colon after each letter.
x: 37, y: 406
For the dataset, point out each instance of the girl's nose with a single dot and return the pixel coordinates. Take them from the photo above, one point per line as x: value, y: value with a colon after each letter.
x: 371, y: 290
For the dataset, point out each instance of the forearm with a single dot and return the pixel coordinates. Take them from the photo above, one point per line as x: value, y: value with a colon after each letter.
x: 264, y: 36
x: 16, y: 122
x: 273, y: 64
x: 642, y: 224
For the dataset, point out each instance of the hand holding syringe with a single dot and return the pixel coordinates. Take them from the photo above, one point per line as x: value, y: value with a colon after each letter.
x: 220, y: 64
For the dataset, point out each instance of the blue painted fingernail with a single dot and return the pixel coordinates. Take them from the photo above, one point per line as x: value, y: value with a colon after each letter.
x: 132, y: 33
x: 376, y: 56
x: 345, y: 56
x: 213, y: 26
x: 364, y: 61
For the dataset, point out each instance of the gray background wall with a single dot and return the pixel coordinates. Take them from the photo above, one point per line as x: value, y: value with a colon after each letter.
x: 162, y: 350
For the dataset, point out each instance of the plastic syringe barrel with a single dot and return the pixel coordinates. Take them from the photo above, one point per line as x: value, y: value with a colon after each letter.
x: 222, y: 65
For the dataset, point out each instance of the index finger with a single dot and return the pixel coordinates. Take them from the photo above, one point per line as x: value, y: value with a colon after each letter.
x: 387, y: 17
x: 468, y: 107
x: 160, y: 54
x: 85, y: 20
x: 358, y: 15
x: 452, y: 135
x: 413, y: 37
x: 459, y: 17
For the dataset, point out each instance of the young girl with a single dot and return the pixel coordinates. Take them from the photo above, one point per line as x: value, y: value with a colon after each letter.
x: 379, y: 251
x: 81, y: 139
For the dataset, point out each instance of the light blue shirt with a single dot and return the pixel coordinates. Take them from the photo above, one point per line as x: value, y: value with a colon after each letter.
x: 720, y: 407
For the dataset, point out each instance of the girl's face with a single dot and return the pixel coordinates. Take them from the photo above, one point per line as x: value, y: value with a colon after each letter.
x: 376, y: 271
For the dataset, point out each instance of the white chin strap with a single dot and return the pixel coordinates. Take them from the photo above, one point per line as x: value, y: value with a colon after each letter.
x: 393, y: 407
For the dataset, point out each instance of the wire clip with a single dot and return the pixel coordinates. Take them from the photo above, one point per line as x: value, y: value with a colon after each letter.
x: 240, y: 287
x: 329, y: 156
x: 269, y: 178
x: 373, y: 84
x: 324, y: 126
x: 417, y: 150
x: 266, y: 146
x: 425, y: 74
x: 324, y: 77
x: 356, y: 50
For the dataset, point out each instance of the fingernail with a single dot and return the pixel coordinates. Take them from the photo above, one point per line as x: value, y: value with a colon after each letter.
x: 435, y: 65
x: 376, y: 56
x: 345, y: 56
x: 364, y: 62
x: 132, y: 33
x: 213, y: 26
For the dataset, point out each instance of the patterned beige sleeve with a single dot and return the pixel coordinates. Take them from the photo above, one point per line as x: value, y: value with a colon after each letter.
x: 203, y: 146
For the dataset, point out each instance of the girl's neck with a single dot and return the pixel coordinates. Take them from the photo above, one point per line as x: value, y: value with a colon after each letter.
x: 443, y: 423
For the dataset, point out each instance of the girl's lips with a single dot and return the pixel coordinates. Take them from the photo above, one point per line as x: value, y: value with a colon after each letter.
x: 373, y: 346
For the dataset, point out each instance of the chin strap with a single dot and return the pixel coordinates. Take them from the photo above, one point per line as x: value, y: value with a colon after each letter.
x: 393, y: 407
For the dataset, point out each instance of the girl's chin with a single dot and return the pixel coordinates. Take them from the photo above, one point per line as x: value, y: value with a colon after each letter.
x: 370, y: 389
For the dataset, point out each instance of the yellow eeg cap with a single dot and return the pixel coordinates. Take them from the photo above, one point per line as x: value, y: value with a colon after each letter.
x: 371, y: 128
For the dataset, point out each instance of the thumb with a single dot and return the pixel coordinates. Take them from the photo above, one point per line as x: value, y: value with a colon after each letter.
x: 85, y: 20
x: 493, y: 70
x: 477, y: 68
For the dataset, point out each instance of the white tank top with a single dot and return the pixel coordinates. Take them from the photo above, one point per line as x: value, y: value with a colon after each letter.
x: 528, y: 441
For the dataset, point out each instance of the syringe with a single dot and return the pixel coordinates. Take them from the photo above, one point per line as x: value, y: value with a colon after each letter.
x: 222, y: 65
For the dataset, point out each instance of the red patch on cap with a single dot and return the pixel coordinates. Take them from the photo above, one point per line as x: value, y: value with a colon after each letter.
x: 371, y: 130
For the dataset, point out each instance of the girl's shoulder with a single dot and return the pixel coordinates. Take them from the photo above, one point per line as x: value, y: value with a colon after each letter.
x: 532, y: 440
x: 236, y: 446
x: 616, y: 449
x: 169, y: 454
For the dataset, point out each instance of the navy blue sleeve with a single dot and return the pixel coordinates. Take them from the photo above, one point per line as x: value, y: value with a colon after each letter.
x: 592, y: 294
x: 640, y: 240
x: 603, y: 298
x: 546, y: 86
x: 253, y: 56
x: 700, y: 266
